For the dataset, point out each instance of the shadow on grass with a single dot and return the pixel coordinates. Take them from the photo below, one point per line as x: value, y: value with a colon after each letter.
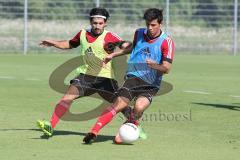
x: 123, y: 144
x: 225, y: 106
x: 100, y: 138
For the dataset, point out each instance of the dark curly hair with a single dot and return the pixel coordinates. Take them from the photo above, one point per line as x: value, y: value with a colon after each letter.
x: 152, y: 14
x: 99, y: 11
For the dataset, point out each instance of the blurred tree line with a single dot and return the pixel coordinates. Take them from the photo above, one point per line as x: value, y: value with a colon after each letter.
x: 203, y: 12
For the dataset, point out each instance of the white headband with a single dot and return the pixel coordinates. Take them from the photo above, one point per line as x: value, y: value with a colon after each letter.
x: 98, y: 16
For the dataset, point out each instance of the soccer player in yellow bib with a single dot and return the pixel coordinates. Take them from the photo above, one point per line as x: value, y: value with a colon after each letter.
x: 94, y: 76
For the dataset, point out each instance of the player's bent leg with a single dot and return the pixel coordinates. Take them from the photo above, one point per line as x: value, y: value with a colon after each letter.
x: 64, y: 104
x: 141, y: 104
x: 110, y: 96
x: 105, y: 118
x: 127, y: 112
x: 60, y: 109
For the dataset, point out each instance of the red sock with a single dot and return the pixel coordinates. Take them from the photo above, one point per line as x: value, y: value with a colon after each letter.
x: 104, y: 119
x: 60, y: 109
x: 133, y: 118
x: 135, y: 122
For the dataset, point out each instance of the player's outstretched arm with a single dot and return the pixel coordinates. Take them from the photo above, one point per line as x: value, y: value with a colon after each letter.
x: 58, y: 44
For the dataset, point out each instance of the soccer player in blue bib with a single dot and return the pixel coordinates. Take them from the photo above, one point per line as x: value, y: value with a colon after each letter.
x: 151, y: 57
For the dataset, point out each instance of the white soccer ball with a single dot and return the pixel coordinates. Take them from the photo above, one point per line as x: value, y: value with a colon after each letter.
x: 129, y: 133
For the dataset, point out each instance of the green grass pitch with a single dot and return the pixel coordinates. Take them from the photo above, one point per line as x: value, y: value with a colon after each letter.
x: 206, y: 96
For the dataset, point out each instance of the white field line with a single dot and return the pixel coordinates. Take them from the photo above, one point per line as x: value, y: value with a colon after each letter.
x: 234, y: 96
x: 6, y: 77
x: 196, y: 92
x: 32, y: 79
x: 27, y: 79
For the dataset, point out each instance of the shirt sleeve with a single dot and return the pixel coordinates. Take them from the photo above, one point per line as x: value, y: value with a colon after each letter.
x: 110, y: 41
x: 167, y: 49
x: 112, y: 37
x: 75, y: 41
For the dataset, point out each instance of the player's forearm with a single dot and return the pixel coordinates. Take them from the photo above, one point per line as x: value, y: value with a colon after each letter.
x: 162, y: 69
x: 119, y: 53
x: 62, y: 44
x: 126, y: 48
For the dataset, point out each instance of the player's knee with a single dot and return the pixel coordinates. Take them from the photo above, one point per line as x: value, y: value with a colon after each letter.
x: 120, y: 104
x: 68, y: 98
x: 140, y: 107
x: 72, y: 91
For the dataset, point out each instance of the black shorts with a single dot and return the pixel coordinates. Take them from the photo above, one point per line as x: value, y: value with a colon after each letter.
x: 88, y: 85
x: 135, y: 87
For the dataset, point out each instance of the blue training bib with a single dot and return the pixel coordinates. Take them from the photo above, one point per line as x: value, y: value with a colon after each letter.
x: 142, y: 51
